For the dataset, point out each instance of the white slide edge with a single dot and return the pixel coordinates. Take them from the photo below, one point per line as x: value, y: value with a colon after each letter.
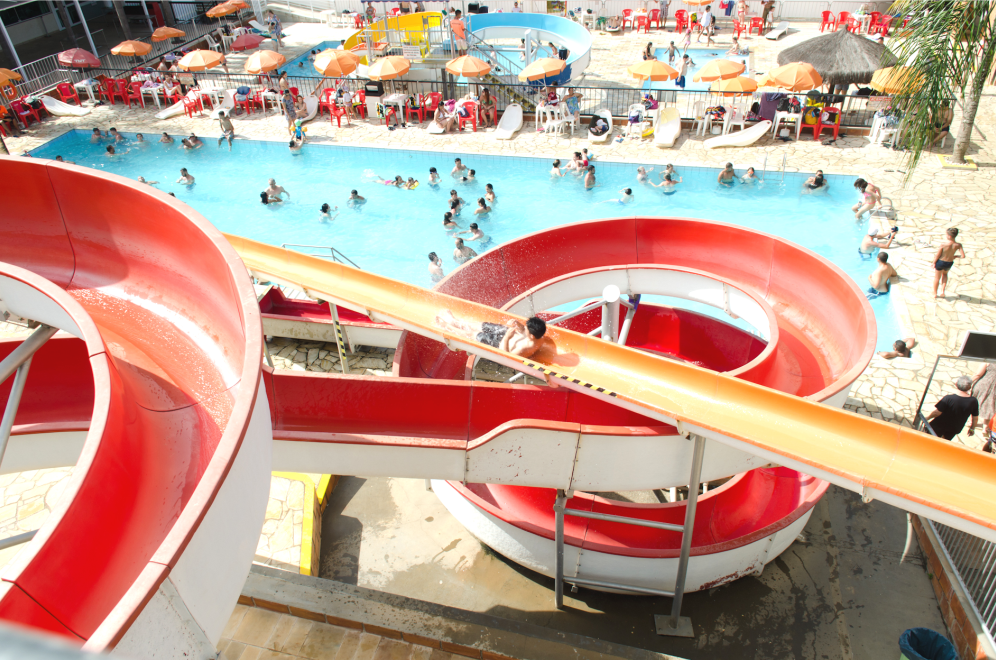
x: 744, y: 138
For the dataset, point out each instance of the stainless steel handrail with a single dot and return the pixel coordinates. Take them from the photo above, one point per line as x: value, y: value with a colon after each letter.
x: 334, y: 254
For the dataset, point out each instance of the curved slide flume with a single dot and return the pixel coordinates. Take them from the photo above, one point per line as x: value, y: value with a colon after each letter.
x: 150, y: 544
x: 880, y: 460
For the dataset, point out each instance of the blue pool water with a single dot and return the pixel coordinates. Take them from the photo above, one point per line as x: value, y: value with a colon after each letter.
x: 394, y: 231
x: 306, y: 69
x: 699, y: 56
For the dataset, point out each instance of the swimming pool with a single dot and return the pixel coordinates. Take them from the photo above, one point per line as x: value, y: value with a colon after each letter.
x: 394, y: 231
x: 307, y: 69
x: 699, y: 56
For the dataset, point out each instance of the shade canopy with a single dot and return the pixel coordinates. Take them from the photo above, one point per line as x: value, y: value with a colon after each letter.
x: 388, y: 68
x: 77, y: 58
x: 247, y: 42
x: 263, y: 61
x: 734, y: 86
x: 131, y: 48
x: 896, y: 80
x: 652, y: 70
x: 793, y: 77
x: 542, y: 68
x: 199, y: 60
x: 11, y: 75
x: 223, y: 9
x: 468, y: 67
x: 719, y: 70
x: 841, y: 58
x: 5, y: 80
x: 164, y: 33
x: 335, y: 63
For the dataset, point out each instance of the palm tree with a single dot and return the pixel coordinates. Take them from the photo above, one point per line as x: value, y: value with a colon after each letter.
x: 949, y: 46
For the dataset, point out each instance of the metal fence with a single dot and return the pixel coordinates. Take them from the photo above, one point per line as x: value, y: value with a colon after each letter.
x: 973, y: 559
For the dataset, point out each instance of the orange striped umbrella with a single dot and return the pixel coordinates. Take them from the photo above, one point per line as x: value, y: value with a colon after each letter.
x: 199, y: 60
x: 263, y: 61
x: 719, y: 70
x: 653, y: 70
x: 334, y: 63
x: 734, y: 86
x: 164, y: 33
x: 542, y: 68
x: 389, y: 67
x: 131, y: 48
x: 891, y: 80
x: 468, y: 67
x: 794, y: 77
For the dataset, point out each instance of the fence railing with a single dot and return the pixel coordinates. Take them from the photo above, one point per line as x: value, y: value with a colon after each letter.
x: 973, y: 559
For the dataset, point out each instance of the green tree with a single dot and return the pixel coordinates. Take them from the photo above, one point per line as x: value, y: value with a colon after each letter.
x: 949, y: 47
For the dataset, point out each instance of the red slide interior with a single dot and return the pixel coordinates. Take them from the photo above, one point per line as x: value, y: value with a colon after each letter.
x: 179, y: 331
x: 274, y: 304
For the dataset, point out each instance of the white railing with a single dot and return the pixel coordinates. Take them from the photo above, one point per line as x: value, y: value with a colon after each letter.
x: 973, y: 559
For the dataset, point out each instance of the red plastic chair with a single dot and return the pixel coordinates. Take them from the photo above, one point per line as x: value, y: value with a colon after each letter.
x: 67, y: 93
x: 654, y: 17
x: 360, y: 103
x: 472, y: 116
x: 873, y: 20
x: 681, y: 20
x: 884, y: 26
x: 628, y: 16
x: 842, y: 20
x: 756, y: 22
x: 106, y: 90
x: 738, y: 28
x: 120, y: 90
x: 135, y: 94
x: 431, y: 102
x: 246, y: 103
x: 190, y: 106
x: 419, y: 112
x: 358, y: 21
x: 827, y: 20
x: 338, y: 112
x: 820, y: 125
x: 327, y: 100
x: 641, y: 22
x: 170, y: 99
x: 294, y: 91
x: 23, y: 111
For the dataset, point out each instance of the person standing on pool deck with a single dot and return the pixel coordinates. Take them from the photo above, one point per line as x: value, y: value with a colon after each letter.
x: 952, y: 410
x: 945, y: 258
x: 727, y: 175
x: 459, y: 33
x: 290, y: 114
x: 683, y: 67
x: 707, y: 23
x: 435, y: 267
x: 513, y: 337
x: 462, y: 254
x: 880, y: 278
x: 767, y: 7
x: 273, y: 190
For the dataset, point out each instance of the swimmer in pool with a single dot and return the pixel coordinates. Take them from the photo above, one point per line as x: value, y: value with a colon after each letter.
x: 355, y: 199
x: 483, y: 208
x: 140, y: 138
x: 462, y: 254
x: 448, y: 222
x: 276, y: 191
x: 141, y: 179
x: 410, y: 184
x: 815, y: 183
x: 434, y: 177
x: 185, y: 177
x: 96, y: 137
x: 555, y: 169
x: 626, y: 197
x: 642, y: 174
x: 166, y: 139
x: 669, y: 184
x: 59, y: 159
x: 880, y: 278
x: 727, y: 175
x: 294, y: 145
x: 115, y: 135
x: 513, y: 337
x: 490, y: 194
x: 327, y: 212
x: 871, y: 244
x: 397, y: 182
x: 454, y: 197
x: 196, y: 141
x: 435, y: 267
x: 669, y: 169
x: 590, y: 177
x: 458, y: 169
x: 476, y: 235
x: 749, y: 176
x: 469, y: 177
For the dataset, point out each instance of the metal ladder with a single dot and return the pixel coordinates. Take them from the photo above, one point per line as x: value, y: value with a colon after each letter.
x: 673, y: 625
x: 334, y: 254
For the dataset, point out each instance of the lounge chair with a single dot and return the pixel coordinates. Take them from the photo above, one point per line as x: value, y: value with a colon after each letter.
x: 779, y: 30
x: 511, y: 121
x: 608, y: 116
x: 668, y: 126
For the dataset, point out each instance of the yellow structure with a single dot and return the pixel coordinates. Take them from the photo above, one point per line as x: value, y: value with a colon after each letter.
x: 412, y: 27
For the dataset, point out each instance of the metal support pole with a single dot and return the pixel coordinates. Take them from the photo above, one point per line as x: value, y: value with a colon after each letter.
x: 783, y: 168
x: 625, y: 330
x: 266, y: 354
x: 23, y: 353
x: 10, y: 44
x: 13, y: 400
x: 559, y: 504
x: 611, y: 313
x: 148, y: 19
x: 86, y: 28
x: 765, y: 162
x: 11, y: 541
x: 677, y: 625
x: 340, y: 344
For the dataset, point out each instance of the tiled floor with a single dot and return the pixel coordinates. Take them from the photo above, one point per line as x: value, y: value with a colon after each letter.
x: 256, y: 634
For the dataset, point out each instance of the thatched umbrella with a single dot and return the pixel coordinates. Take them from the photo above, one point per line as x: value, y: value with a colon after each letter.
x: 841, y: 58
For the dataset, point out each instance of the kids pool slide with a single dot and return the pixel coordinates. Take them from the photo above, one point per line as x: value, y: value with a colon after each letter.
x: 882, y: 461
x: 742, y: 138
x: 510, y: 123
x: 668, y: 126
x: 173, y: 443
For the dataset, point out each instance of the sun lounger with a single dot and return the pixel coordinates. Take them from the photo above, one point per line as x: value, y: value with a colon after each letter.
x: 744, y: 138
x: 608, y: 116
x: 667, y: 127
x: 780, y: 29
x: 512, y: 121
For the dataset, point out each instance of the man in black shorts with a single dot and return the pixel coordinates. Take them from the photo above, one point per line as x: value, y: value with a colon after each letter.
x: 951, y: 412
x: 513, y: 337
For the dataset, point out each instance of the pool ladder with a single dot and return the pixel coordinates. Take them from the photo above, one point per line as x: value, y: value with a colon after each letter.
x: 333, y: 253
x: 765, y: 162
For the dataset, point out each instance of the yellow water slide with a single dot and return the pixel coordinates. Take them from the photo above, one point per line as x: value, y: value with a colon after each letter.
x: 412, y: 27
x: 946, y: 482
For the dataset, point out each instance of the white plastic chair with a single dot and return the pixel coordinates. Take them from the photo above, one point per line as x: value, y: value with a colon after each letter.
x: 733, y: 116
x: 702, y: 123
x: 212, y: 44
x: 225, y: 39
x: 554, y: 120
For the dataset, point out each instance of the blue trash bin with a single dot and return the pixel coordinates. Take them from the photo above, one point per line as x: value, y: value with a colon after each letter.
x: 926, y: 644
